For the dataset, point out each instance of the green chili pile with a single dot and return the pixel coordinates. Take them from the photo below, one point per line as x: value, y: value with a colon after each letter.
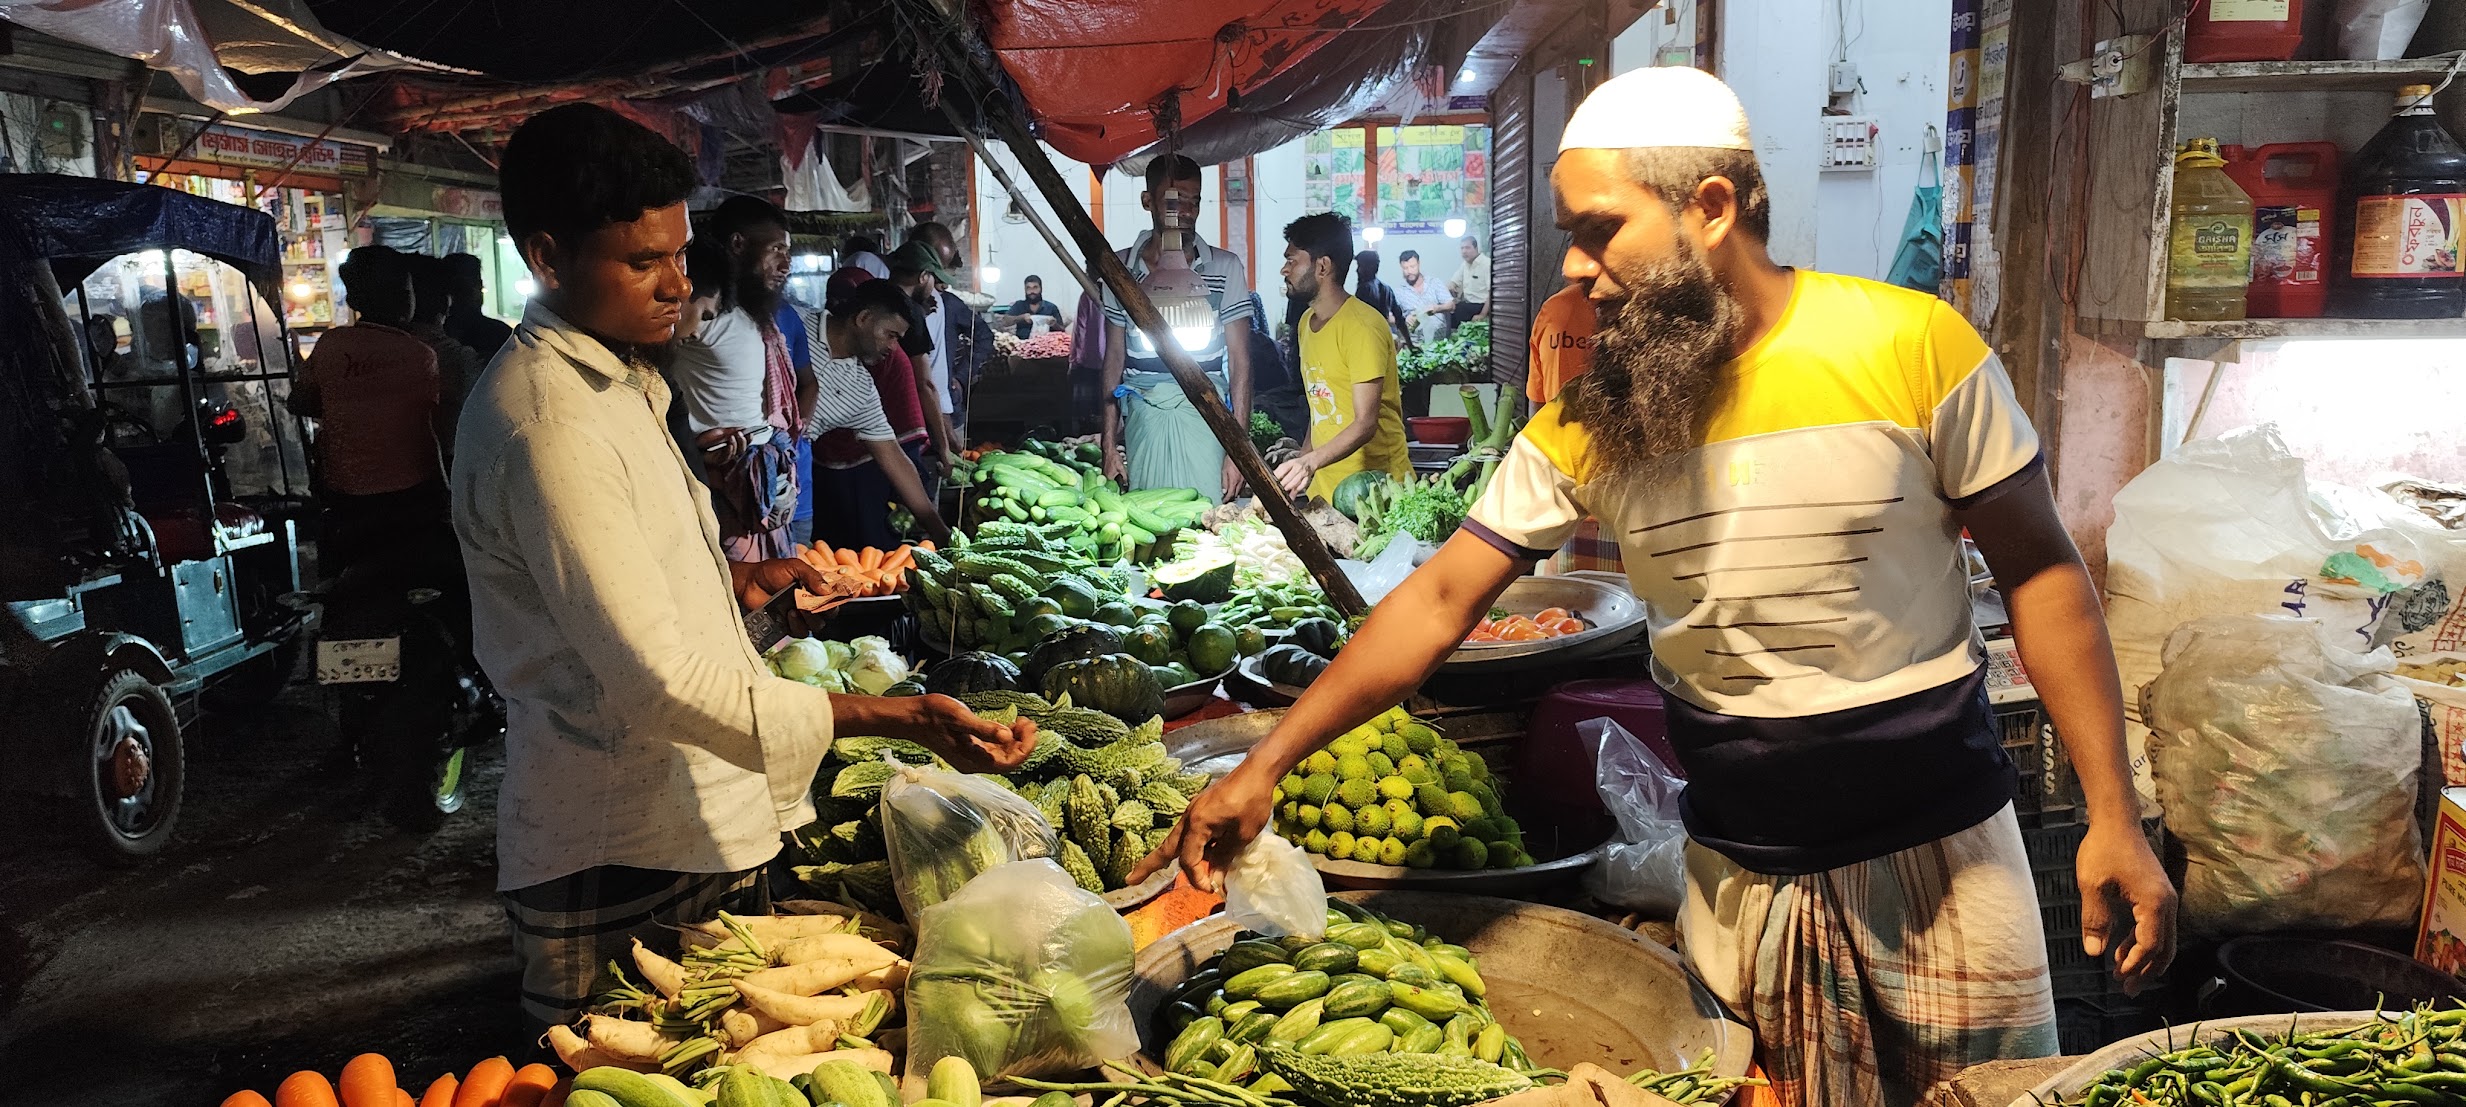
x: 2415, y: 1057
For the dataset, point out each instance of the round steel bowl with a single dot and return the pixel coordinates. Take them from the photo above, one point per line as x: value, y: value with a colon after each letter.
x: 1183, y: 699
x: 2065, y: 1086
x: 1214, y: 746
x: 1571, y: 987
x: 1523, y: 880
x: 1137, y: 895
x: 1617, y: 617
x: 1264, y: 692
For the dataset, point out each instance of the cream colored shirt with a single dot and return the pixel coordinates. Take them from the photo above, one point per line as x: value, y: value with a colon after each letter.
x: 642, y: 728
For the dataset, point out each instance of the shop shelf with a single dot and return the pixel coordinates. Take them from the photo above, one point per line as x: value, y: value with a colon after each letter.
x: 2314, y: 76
x: 2307, y: 328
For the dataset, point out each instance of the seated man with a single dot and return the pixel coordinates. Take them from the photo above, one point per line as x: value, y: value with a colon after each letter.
x: 1029, y: 307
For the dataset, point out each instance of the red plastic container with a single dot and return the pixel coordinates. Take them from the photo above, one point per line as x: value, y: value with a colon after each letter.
x: 1554, y: 764
x: 2294, y: 190
x: 1439, y: 430
x: 2243, y: 30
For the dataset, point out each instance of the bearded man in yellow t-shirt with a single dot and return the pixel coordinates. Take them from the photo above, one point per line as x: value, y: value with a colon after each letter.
x: 1348, y: 365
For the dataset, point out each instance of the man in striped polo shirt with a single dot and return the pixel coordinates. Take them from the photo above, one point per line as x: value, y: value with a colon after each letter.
x: 1146, y: 412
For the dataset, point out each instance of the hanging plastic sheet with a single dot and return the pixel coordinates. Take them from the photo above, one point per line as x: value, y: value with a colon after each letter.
x: 79, y: 223
x: 201, y: 42
x: 814, y: 186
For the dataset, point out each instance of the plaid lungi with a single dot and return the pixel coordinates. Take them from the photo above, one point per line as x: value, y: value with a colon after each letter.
x: 568, y: 929
x: 1589, y: 549
x: 1877, y: 983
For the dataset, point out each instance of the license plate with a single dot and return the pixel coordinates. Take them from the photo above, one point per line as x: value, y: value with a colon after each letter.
x: 359, y: 660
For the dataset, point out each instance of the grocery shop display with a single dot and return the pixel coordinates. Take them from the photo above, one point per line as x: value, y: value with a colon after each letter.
x: 1394, y: 791
x: 1064, y: 485
x: 1375, y: 1011
x: 1110, y: 790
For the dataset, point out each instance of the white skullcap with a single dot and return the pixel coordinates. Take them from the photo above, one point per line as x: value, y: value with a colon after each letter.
x: 1659, y: 106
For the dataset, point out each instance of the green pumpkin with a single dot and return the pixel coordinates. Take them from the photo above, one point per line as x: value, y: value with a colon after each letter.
x: 1150, y: 644
x: 1320, y: 636
x: 973, y: 672
x: 1292, y: 665
x: 1117, y: 684
x: 1250, y: 640
x: 1118, y: 613
x: 1187, y: 616
x: 1076, y: 599
x: 1045, y: 626
x: 1212, y: 648
x: 1073, y: 644
x: 1035, y: 606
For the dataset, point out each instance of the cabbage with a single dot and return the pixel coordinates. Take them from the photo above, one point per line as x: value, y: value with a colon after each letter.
x: 803, y: 659
x: 875, y: 666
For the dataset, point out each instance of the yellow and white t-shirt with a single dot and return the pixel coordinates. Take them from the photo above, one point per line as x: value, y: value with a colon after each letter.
x: 1806, y: 594
x: 1355, y: 347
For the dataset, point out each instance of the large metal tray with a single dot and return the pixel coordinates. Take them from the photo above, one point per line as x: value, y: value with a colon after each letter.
x: 1571, y: 987
x: 1617, y: 617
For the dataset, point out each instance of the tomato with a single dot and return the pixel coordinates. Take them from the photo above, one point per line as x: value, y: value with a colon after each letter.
x: 1550, y: 615
x: 1564, y: 626
x: 1525, y: 632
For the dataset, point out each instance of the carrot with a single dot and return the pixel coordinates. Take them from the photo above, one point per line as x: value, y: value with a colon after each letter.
x: 927, y: 544
x: 403, y: 1099
x: 556, y: 1095
x: 871, y: 558
x: 440, y: 1092
x: 846, y: 557
x: 245, y: 1098
x: 305, y: 1089
x: 368, y: 1081
x: 485, y: 1084
x: 530, y: 1085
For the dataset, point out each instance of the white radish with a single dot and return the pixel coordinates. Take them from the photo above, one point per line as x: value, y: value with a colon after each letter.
x: 578, y: 1055
x: 890, y: 978
x: 774, y: 929
x: 813, y: 978
x: 738, y: 1027
x: 796, y: 1010
x: 870, y: 925
x: 862, y: 952
x: 818, y: 1037
x: 663, y: 974
x: 636, y: 1041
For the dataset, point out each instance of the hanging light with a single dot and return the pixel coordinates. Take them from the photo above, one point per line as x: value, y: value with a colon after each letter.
x: 989, y: 275
x: 526, y: 288
x: 1177, y: 290
x: 1454, y: 228
x: 1372, y: 235
x: 300, y: 290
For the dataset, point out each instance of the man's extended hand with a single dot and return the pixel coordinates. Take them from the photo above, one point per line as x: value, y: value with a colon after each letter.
x: 970, y: 742
x: 757, y: 581
x: 1220, y: 823
x: 2127, y: 904
x: 1295, y: 476
x: 1232, y: 479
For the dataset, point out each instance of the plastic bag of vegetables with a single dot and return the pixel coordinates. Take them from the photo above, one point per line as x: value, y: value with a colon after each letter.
x: 1023, y: 973
x: 943, y: 828
x: 1274, y: 889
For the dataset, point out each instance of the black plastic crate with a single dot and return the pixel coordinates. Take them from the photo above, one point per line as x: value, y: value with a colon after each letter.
x: 2048, y: 794
x: 2089, y: 1025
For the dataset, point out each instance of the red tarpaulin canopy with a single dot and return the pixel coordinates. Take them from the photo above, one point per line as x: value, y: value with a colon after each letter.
x: 1094, y: 71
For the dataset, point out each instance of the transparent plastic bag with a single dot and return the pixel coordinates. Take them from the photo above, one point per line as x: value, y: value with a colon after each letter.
x: 1274, y: 889
x: 2288, y: 767
x: 1375, y: 578
x: 1024, y: 973
x: 1646, y: 867
x: 943, y: 828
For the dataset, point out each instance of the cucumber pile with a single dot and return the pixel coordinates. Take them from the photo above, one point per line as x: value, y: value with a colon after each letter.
x: 1064, y: 487
x: 1373, y: 985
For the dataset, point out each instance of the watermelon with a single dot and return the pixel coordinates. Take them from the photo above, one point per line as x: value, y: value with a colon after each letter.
x: 1201, y: 580
x: 1349, y: 491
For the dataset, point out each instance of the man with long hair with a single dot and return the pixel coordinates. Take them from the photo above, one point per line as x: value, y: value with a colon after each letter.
x: 1789, y: 459
x: 742, y: 394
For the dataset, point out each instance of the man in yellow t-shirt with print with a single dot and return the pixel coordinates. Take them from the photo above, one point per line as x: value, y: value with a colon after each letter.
x: 1788, y: 460
x: 1348, y: 364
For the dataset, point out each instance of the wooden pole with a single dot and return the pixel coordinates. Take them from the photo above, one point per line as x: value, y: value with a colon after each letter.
x: 1235, y: 438
x: 1019, y: 197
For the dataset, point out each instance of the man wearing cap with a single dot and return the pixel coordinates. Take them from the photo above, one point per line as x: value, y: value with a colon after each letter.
x: 1788, y: 460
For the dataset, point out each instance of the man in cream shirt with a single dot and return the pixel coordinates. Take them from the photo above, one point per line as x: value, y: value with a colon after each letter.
x: 652, y: 760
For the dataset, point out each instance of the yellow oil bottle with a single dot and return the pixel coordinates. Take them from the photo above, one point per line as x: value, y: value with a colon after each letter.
x: 2209, y: 238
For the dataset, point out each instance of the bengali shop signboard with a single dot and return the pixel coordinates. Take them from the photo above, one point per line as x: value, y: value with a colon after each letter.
x: 241, y: 146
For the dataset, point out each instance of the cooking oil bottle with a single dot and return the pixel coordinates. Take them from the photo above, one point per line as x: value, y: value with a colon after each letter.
x: 2398, y: 250
x: 2209, y: 240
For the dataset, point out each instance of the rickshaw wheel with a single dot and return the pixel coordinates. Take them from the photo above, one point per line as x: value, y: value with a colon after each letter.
x: 134, y: 768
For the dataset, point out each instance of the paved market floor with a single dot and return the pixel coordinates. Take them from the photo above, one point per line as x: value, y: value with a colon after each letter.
x: 287, y: 927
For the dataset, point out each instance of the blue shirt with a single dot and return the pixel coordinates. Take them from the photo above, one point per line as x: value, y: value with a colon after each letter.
x: 791, y: 324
